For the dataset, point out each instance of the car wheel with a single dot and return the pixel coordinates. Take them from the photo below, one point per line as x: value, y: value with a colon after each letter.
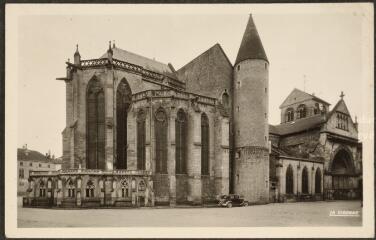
x: 229, y: 205
x: 245, y: 204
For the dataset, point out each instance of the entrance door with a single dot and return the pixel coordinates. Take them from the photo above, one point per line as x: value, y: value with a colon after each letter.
x: 341, y: 175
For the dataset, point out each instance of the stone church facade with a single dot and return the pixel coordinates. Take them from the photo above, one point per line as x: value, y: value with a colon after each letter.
x: 316, y: 153
x: 140, y: 133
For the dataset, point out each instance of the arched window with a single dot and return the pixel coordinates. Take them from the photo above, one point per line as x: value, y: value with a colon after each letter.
x: 305, y: 181
x: 289, y: 115
x: 302, y: 111
x: 289, y: 180
x: 204, y: 144
x: 95, y: 123
x: 141, y: 138
x: 318, y: 181
x: 141, y: 186
x: 225, y: 100
x: 160, y: 128
x: 124, y: 188
x: 90, y: 189
x: 181, y: 142
x: 123, y: 103
x: 42, y: 189
x: 71, y: 189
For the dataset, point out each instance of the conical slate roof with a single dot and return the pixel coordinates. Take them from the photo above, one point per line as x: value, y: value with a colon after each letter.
x: 251, y: 46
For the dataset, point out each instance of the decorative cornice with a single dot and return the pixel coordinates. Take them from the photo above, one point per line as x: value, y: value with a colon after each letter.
x: 147, y: 75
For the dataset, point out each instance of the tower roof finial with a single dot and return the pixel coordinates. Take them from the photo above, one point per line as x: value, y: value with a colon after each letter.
x: 77, y: 52
x: 113, y: 45
x: 342, y: 95
x: 251, y: 45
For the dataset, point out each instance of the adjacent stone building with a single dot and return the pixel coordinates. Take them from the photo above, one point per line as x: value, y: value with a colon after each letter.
x: 30, y: 160
x: 315, y: 152
x: 140, y: 133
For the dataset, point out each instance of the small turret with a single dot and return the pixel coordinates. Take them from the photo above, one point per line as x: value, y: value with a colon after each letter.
x: 110, y: 53
x: 77, y: 56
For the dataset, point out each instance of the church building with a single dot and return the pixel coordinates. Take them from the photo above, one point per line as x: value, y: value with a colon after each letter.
x: 316, y: 153
x: 140, y: 133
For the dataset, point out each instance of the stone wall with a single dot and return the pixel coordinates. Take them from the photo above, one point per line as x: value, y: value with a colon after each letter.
x: 210, y: 74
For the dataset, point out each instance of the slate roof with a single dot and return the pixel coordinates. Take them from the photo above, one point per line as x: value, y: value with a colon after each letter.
x: 251, y: 45
x: 298, y: 125
x: 142, y: 61
x: 31, y: 155
x: 307, y: 96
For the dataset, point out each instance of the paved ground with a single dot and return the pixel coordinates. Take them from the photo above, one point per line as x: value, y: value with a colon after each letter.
x: 276, y: 214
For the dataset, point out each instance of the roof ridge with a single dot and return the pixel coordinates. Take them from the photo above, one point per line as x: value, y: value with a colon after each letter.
x: 120, y: 49
x: 201, y: 55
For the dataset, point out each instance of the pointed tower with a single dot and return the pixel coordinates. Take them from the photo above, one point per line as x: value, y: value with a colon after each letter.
x: 250, y: 119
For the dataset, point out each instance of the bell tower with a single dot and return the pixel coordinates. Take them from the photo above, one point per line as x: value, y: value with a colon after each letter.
x: 250, y: 118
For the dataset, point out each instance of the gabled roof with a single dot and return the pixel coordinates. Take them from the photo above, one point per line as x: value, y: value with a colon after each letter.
x: 30, y: 155
x: 142, y: 61
x: 214, y: 47
x: 302, y: 96
x: 251, y: 45
x: 299, y: 125
x: 341, y: 107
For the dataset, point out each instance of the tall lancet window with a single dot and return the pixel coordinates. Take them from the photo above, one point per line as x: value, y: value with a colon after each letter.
x: 141, y: 138
x: 204, y: 144
x: 160, y: 129
x: 123, y: 103
x: 95, y: 123
x: 181, y: 142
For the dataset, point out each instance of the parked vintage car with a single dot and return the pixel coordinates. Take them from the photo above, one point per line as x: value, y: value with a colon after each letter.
x: 232, y: 200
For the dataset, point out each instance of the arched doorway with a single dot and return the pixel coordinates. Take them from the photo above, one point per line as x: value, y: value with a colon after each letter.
x: 289, y: 180
x: 342, y: 169
x: 318, y: 181
x: 123, y: 103
x: 305, y: 181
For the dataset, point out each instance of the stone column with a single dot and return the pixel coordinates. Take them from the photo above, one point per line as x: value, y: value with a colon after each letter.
x: 78, y: 197
x: 108, y: 191
x: 109, y: 125
x: 101, y: 191
x: 148, y: 137
x: 59, y: 192
x: 171, y: 158
x: 221, y: 146
x: 281, y: 179
x: 194, y: 159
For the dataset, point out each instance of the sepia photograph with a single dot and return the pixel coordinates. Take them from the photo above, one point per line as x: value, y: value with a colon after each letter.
x: 223, y: 120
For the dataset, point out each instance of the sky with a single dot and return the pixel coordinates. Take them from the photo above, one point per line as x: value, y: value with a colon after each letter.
x: 325, y: 49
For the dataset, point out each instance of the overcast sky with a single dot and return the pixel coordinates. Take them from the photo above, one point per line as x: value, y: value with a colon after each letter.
x: 326, y: 48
